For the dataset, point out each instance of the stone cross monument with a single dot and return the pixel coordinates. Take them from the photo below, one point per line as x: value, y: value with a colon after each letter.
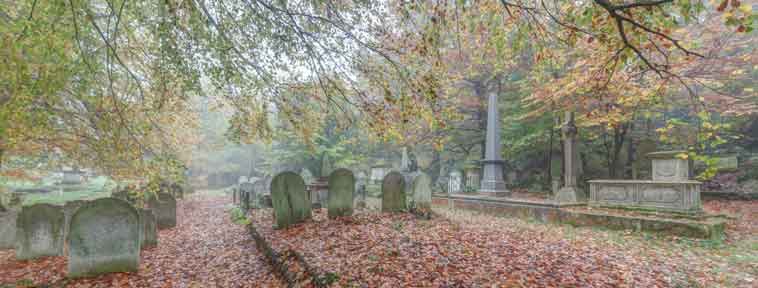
x: 567, y: 194
x: 492, y: 181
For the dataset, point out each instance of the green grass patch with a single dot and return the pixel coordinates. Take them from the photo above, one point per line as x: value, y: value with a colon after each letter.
x: 238, y: 216
x: 99, y: 187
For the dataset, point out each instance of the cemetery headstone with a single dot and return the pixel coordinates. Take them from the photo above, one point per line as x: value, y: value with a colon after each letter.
x: 288, y: 197
x: 68, y: 210
x: 8, y: 229
x: 39, y: 231
x: 149, y: 228
x: 341, y: 190
x: 164, y: 207
x: 177, y: 191
x: 105, y: 237
x: 454, y: 182
x: 422, y: 192
x: 307, y: 175
x: 249, y: 200
x: 393, y: 192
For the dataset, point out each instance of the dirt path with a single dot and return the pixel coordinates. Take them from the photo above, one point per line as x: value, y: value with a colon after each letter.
x: 205, y: 250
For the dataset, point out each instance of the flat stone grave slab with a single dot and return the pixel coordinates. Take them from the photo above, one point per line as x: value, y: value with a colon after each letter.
x: 105, y: 237
x: 39, y: 231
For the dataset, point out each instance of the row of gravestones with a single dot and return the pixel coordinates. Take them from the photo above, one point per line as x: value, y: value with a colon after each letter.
x: 291, y: 204
x: 98, y: 236
x: 252, y: 195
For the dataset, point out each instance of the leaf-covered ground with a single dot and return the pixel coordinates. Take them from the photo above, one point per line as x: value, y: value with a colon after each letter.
x: 460, y: 248
x: 205, y: 250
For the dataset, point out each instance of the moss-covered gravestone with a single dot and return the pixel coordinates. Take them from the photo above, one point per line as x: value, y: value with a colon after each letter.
x: 422, y: 192
x: 39, y: 231
x: 393, y: 192
x: 341, y: 189
x: 8, y: 229
x: 149, y: 228
x: 105, y: 237
x: 164, y: 208
x: 288, y: 197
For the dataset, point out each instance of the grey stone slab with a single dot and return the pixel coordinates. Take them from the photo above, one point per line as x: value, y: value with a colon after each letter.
x: 422, y: 192
x: 289, y: 200
x: 39, y: 231
x: 393, y: 192
x: 658, y: 195
x: 164, y: 208
x: 105, y: 237
x: 8, y: 229
x: 149, y: 228
x: 340, y: 195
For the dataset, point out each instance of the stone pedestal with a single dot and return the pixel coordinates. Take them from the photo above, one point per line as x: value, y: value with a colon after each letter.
x: 667, y: 167
x: 492, y: 180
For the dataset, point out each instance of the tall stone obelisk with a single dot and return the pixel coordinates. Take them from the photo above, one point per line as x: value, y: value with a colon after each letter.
x: 492, y: 180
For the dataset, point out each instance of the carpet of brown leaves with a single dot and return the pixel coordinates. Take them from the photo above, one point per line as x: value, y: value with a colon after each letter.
x: 464, y: 249
x: 205, y: 250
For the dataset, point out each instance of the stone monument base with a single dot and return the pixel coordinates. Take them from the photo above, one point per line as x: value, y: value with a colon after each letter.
x: 566, y: 195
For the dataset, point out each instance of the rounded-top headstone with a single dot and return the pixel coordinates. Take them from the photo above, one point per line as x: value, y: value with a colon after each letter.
x: 149, y: 228
x: 164, y: 208
x: 105, y: 237
x: 39, y: 231
x: 393, y: 192
x: 288, y: 197
x: 422, y: 191
x: 341, y: 189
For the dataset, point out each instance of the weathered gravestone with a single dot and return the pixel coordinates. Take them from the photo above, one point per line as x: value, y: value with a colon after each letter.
x: 8, y: 229
x: 422, y: 192
x: 149, y: 228
x: 248, y: 199
x: 341, y: 189
x: 234, y: 195
x: 39, y: 231
x: 164, y: 207
x: 176, y: 190
x: 288, y: 197
x: 105, y: 237
x: 68, y: 211
x: 393, y: 192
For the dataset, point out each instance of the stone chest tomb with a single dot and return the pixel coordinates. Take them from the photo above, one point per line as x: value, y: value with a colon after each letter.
x: 669, y: 190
